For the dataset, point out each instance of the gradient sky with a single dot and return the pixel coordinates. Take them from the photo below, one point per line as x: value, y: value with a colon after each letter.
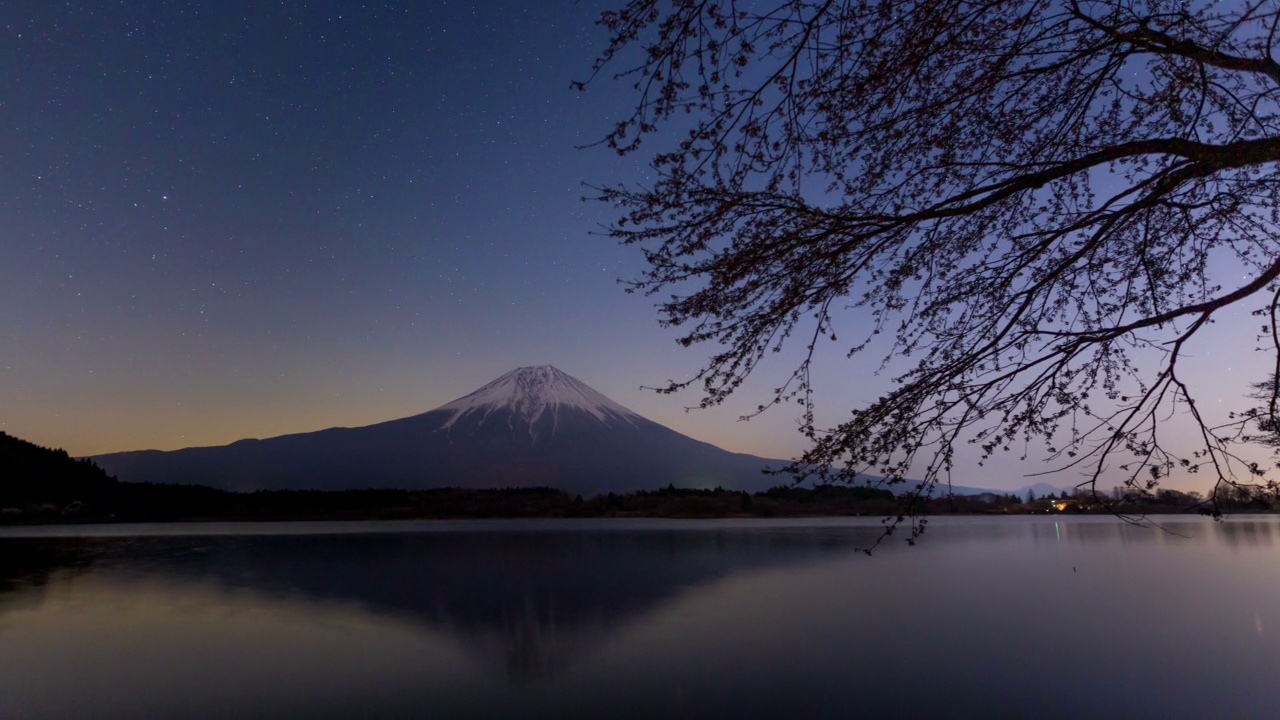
x: 242, y: 219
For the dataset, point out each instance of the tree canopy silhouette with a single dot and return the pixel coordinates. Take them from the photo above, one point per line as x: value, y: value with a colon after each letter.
x: 30, y: 473
x: 1038, y: 205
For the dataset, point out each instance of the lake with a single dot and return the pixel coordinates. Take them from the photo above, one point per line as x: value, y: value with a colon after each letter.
x: 1036, y: 617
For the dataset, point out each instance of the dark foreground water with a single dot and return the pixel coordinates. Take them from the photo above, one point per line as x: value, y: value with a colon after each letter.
x: 1008, y: 617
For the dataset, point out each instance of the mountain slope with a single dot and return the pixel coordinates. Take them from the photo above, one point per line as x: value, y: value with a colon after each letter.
x: 533, y: 426
x: 33, y: 474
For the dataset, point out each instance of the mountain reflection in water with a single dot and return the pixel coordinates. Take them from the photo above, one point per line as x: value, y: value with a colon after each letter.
x: 531, y: 598
x: 1065, y: 618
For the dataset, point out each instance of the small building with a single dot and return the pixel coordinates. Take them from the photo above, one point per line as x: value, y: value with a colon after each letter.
x: 1063, y: 504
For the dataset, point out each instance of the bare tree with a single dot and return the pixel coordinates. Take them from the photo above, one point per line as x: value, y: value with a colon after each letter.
x: 1023, y: 199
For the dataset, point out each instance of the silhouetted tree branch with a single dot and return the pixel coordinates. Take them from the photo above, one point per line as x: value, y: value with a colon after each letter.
x: 1024, y: 199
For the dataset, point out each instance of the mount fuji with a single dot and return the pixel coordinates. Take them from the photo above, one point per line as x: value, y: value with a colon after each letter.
x: 535, y: 426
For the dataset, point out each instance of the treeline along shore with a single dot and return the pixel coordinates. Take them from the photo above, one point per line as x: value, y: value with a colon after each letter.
x: 39, y: 485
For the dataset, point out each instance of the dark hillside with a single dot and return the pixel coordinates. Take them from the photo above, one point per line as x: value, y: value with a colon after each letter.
x: 35, y: 475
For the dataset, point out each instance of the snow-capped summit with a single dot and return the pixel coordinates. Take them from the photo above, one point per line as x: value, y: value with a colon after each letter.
x: 535, y: 426
x: 530, y: 393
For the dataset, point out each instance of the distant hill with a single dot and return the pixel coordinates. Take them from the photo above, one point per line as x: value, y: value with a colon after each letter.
x: 34, y: 475
x: 535, y: 426
x: 1040, y: 489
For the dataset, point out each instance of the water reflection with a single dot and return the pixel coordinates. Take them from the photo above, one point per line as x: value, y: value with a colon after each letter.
x: 1019, y: 616
x: 530, y: 601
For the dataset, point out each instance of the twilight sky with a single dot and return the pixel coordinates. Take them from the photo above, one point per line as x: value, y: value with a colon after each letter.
x: 231, y: 219
x: 242, y: 219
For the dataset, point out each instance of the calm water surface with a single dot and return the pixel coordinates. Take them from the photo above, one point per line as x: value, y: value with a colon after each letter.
x: 1004, y: 617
